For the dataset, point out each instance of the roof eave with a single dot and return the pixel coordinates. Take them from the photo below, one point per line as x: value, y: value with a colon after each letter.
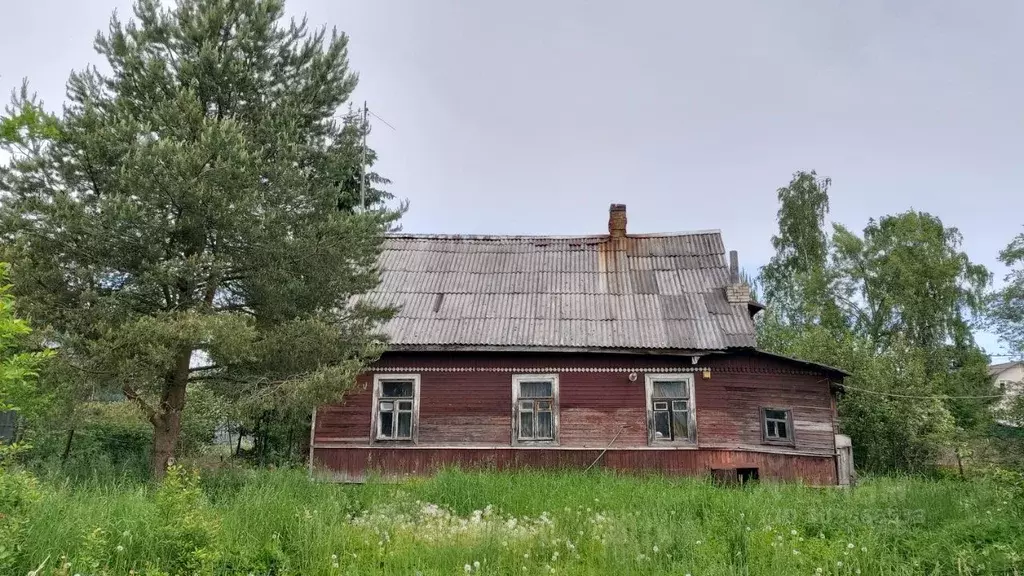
x: 557, y: 349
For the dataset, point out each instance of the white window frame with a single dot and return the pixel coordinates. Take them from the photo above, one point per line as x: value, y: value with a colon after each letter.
x: 378, y: 380
x: 649, y: 380
x: 517, y: 379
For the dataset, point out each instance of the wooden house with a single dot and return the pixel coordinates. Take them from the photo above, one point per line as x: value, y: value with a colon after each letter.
x: 620, y: 351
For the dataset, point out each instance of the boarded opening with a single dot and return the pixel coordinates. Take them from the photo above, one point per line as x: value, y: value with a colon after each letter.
x: 724, y: 476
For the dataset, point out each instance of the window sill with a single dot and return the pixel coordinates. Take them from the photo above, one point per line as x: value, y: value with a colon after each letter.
x: 673, y: 445
x: 535, y: 444
x: 786, y: 443
x: 388, y: 442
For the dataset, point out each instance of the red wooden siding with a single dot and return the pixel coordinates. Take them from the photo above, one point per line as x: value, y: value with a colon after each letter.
x: 466, y: 401
x: 353, y: 464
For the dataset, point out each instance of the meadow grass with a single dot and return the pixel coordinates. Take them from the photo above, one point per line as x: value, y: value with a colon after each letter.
x: 280, y: 522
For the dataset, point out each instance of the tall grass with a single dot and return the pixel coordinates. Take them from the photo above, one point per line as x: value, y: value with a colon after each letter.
x: 280, y: 522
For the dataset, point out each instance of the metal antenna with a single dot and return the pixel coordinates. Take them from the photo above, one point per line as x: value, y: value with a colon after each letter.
x: 362, y: 164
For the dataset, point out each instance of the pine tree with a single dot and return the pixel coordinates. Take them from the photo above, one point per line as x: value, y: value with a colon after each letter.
x: 193, y: 214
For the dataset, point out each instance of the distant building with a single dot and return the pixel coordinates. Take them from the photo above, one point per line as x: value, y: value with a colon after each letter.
x: 1009, y: 379
x: 623, y: 351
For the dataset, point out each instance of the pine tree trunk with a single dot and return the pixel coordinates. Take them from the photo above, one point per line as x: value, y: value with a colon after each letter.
x: 167, y: 420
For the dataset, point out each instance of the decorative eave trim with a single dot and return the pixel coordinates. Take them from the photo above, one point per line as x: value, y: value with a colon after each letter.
x: 532, y: 370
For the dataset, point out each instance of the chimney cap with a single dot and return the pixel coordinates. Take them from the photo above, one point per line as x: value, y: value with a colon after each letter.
x: 617, y: 208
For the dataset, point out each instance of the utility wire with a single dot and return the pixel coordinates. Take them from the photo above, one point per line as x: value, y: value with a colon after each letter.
x: 382, y: 120
x: 940, y: 397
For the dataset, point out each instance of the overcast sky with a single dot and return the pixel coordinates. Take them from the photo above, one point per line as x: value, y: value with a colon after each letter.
x: 531, y: 117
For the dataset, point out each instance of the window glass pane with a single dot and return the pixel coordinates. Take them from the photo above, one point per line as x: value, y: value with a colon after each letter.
x: 406, y: 405
x: 387, y: 420
x: 661, y: 405
x: 680, y: 425
x: 668, y: 389
x: 783, y: 432
x: 389, y: 406
x: 775, y: 414
x: 539, y: 389
x: 405, y: 425
x: 662, y: 429
x: 772, y: 430
x: 396, y: 389
x: 679, y: 405
x: 544, y: 426
x: 543, y: 405
x: 526, y: 424
x: 526, y: 405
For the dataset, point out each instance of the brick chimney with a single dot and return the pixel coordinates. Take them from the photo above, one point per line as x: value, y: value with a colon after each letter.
x: 617, y: 221
x: 737, y: 292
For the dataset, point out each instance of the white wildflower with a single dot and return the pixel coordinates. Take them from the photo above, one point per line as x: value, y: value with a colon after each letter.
x: 476, y: 564
x: 655, y: 549
x: 792, y: 532
x: 120, y: 548
x: 850, y: 546
x: 467, y: 568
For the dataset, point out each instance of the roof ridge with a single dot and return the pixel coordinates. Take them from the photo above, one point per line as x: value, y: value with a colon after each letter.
x: 534, y: 237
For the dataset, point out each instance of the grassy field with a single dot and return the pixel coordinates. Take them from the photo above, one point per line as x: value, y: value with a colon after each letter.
x: 247, y: 522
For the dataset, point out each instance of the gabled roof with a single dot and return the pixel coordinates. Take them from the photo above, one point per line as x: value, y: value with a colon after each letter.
x: 996, y: 369
x: 639, y: 292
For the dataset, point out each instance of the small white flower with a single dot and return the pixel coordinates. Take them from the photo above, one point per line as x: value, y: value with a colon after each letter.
x: 467, y: 568
x: 850, y: 546
x: 655, y: 548
x: 698, y: 542
x: 792, y: 532
x: 476, y: 565
x: 120, y: 548
x: 863, y: 548
x: 796, y: 552
x: 839, y: 564
x: 817, y: 570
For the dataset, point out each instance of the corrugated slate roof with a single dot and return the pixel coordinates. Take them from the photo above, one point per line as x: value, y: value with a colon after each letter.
x: 664, y: 291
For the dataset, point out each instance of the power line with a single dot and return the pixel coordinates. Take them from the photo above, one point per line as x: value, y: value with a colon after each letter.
x: 382, y: 120
x: 941, y: 397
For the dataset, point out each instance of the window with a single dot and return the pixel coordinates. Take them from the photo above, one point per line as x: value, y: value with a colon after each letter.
x: 777, y: 425
x: 535, y: 408
x: 396, y: 406
x: 670, y: 409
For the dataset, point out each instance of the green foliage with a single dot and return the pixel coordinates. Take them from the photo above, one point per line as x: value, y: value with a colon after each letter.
x: 893, y: 307
x: 909, y: 277
x: 199, y: 203
x: 796, y: 280
x: 576, y: 523
x: 1006, y: 305
x: 113, y: 439
x: 18, y: 367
